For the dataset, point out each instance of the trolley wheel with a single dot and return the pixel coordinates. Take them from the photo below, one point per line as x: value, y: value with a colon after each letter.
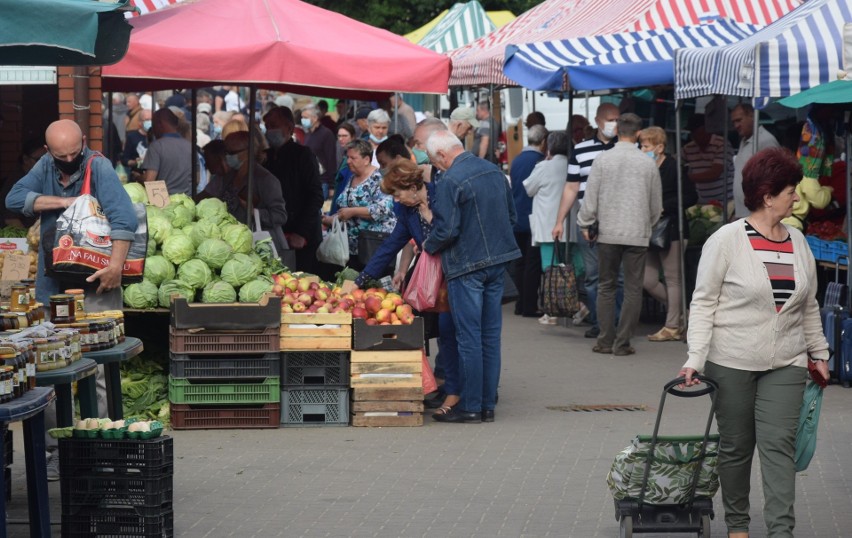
x: 626, y: 529
x: 704, y: 532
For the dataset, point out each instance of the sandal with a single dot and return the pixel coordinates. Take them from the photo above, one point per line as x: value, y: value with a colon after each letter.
x: 666, y: 334
x: 443, y: 410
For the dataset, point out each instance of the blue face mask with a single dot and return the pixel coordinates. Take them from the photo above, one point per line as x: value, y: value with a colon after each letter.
x: 306, y: 123
x: 146, y: 125
x: 378, y: 140
x: 233, y: 161
x: 651, y: 154
x: 275, y: 137
x: 421, y: 156
x: 217, y: 130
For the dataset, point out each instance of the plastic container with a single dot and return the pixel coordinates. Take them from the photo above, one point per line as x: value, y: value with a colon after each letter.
x: 153, y: 457
x: 222, y: 367
x: 313, y: 406
x: 185, y: 391
x: 117, y: 523
x: 300, y: 368
x: 105, y: 489
x: 189, y: 417
x: 224, y: 343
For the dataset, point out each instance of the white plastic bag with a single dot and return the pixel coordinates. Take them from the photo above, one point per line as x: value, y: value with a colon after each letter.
x: 334, y: 249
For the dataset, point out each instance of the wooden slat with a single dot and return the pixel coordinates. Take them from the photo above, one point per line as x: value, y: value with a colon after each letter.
x: 358, y: 419
x: 409, y: 406
x: 391, y: 393
x: 387, y: 368
x: 340, y: 318
x: 413, y: 381
x: 317, y: 331
x: 328, y: 343
x: 387, y: 356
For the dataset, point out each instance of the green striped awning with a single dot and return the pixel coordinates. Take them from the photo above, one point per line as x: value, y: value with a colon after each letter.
x: 462, y: 24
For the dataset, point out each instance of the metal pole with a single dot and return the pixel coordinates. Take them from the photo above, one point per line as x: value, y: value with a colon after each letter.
x: 194, y: 139
x: 108, y: 127
x: 250, y: 186
x: 725, y: 167
x: 680, y: 223
x: 396, y: 113
x: 570, y: 132
x: 492, y: 127
x: 848, y: 209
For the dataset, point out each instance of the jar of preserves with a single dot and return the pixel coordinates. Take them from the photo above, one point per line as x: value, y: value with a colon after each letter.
x: 9, y: 321
x: 20, y: 298
x: 31, y: 366
x: 79, y: 301
x: 6, y: 393
x: 31, y: 285
x: 62, y: 308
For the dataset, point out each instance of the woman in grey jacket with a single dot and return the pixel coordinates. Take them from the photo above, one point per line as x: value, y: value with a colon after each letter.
x: 753, y: 324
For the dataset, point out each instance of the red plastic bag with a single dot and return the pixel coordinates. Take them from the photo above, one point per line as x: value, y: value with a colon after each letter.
x: 430, y: 385
x: 427, y: 290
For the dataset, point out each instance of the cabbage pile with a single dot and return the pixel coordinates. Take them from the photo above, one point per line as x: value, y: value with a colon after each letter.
x: 199, y: 252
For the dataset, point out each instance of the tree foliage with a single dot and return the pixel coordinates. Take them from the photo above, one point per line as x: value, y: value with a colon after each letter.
x: 401, y: 17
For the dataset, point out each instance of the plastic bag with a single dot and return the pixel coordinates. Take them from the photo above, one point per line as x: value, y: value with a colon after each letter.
x: 430, y: 384
x: 427, y: 289
x: 334, y: 249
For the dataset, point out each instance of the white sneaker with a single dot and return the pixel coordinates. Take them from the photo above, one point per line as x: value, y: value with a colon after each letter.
x: 547, y: 320
x: 581, y: 315
x: 53, y: 467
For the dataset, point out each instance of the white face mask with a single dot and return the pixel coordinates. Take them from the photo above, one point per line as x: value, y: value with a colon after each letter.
x: 609, y: 129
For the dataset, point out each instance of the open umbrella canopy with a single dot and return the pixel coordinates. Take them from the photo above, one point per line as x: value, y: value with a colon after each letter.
x: 62, y: 32
x: 278, y: 44
x: 830, y: 93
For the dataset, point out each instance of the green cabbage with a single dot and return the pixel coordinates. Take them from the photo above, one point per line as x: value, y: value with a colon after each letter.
x: 158, y: 270
x: 159, y: 228
x: 141, y: 295
x: 179, y: 215
x: 257, y: 261
x: 185, y: 201
x: 251, y: 292
x: 211, y: 208
x: 171, y: 287
x: 214, y: 252
x: 239, y: 237
x: 205, y: 229
x: 239, y: 270
x: 230, y: 219
x: 195, y: 273
x: 154, y: 211
x: 178, y: 249
x: 136, y: 192
x: 218, y: 292
x: 152, y: 247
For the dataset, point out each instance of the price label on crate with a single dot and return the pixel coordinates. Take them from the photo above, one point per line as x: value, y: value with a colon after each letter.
x: 158, y: 194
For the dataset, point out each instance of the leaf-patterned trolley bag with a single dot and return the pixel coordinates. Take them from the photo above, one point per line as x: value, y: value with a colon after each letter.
x: 674, y: 465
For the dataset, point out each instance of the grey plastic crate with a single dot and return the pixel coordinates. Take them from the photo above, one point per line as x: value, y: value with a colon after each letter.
x: 225, y: 367
x: 327, y: 368
x: 314, y: 406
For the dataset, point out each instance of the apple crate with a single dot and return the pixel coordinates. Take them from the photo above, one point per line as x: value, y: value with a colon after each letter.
x: 387, y: 413
x: 316, y: 331
x: 146, y: 457
x: 387, y: 369
x: 205, y: 417
x: 226, y: 317
x: 387, y: 337
x: 321, y: 368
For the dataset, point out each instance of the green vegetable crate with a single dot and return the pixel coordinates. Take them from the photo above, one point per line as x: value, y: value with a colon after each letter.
x: 186, y: 391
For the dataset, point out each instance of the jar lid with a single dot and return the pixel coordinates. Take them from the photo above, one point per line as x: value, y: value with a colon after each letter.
x: 61, y: 297
x: 20, y: 286
x: 75, y: 291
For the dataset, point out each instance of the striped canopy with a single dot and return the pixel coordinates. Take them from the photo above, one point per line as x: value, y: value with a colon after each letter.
x: 462, y: 24
x: 622, y: 60
x: 481, y: 62
x: 799, y: 51
x: 147, y: 6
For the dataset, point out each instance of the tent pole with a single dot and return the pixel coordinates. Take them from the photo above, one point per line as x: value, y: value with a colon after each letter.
x: 194, y: 140
x: 681, y: 258
x: 725, y: 167
x: 250, y: 185
x: 570, y: 125
x: 848, y: 208
x: 492, y: 127
x: 396, y: 113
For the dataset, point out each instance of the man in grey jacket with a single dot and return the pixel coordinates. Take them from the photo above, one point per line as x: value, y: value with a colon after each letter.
x: 624, y: 197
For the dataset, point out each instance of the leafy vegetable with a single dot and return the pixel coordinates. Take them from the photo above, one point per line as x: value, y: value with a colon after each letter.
x: 179, y: 215
x: 158, y: 270
x: 136, y: 192
x: 218, y: 292
x: 205, y: 229
x: 195, y: 273
x: 239, y: 270
x: 347, y: 273
x: 141, y: 295
x: 211, y: 208
x: 214, y: 252
x: 185, y: 201
x: 159, y: 228
x: 152, y: 248
x: 178, y: 249
x: 145, y: 388
x: 171, y: 287
x: 251, y: 292
x: 239, y: 237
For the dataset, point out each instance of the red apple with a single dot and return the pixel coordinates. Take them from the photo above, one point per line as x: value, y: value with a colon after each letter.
x: 287, y: 309
x: 291, y: 284
x: 396, y: 322
x: 299, y: 307
x: 322, y: 309
x: 314, y: 286
x: 359, y: 312
x: 407, y: 318
x: 358, y: 295
x: 372, y: 321
x: 402, y: 309
x: 305, y: 299
x: 387, y: 304
x: 383, y: 315
x: 373, y: 304
x: 278, y: 290
x: 319, y: 302
x: 322, y: 293
x: 303, y: 284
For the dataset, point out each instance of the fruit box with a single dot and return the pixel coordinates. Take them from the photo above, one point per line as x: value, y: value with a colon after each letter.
x: 317, y: 331
x: 228, y: 316
x: 387, y: 337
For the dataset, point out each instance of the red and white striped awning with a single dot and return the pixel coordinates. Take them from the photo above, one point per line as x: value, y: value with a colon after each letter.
x: 147, y: 6
x: 481, y: 62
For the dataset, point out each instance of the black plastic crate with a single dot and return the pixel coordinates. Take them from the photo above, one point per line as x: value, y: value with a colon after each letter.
x: 219, y: 367
x: 314, y: 406
x: 387, y: 337
x: 152, y: 457
x: 112, y: 490
x: 299, y: 368
x: 69, y: 509
x: 117, y: 523
x: 7, y: 472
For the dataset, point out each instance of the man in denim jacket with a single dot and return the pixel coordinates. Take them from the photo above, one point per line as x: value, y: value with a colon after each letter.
x: 472, y: 230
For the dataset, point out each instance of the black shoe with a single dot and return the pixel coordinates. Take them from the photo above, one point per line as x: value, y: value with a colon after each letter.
x: 593, y: 332
x: 434, y: 400
x: 458, y: 416
x: 488, y: 415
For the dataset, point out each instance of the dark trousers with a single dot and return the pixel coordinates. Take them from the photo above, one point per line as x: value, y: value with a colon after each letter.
x: 526, y: 274
x: 610, y: 259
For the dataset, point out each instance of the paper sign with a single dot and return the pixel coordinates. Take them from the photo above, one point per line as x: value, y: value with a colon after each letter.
x: 158, y: 194
x: 16, y: 267
x: 348, y: 286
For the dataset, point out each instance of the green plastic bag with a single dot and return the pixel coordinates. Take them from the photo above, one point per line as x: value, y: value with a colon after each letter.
x: 806, y: 435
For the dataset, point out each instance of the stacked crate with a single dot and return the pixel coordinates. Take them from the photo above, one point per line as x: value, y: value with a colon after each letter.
x: 315, y: 369
x: 386, y: 374
x: 117, y: 487
x: 224, y: 367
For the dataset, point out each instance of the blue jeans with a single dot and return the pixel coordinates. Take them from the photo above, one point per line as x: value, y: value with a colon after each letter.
x: 589, y: 252
x: 325, y: 189
x: 478, y: 316
x: 448, y: 354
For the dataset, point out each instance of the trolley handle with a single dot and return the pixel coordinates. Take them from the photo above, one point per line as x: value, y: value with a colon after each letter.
x: 710, y: 387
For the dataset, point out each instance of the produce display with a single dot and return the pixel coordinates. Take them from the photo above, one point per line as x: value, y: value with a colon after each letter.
x: 145, y: 387
x: 13, y: 231
x: 199, y: 252
x: 703, y: 221
x: 93, y: 428
x: 32, y: 255
x: 827, y: 230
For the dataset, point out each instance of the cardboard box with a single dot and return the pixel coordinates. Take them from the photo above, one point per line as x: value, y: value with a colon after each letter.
x: 228, y: 316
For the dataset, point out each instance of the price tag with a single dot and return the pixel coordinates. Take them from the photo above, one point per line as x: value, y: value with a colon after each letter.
x: 348, y: 286
x: 158, y: 194
x: 16, y: 267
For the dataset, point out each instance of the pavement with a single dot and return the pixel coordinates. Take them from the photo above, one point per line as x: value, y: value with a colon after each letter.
x: 538, y: 471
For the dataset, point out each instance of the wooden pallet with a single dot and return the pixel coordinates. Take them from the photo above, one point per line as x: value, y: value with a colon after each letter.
x: 311, y: 332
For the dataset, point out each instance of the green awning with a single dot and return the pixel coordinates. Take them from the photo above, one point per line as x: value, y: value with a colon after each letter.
x: 63, y: 32
x: 836, y: 92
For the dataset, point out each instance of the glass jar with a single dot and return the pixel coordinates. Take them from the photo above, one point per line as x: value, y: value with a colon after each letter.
x: 6, y: 393
x: 62, y: 308
x: 79, y: 301
x: 20, y: 298
x: 9, y: 322
x: 8, y: 356
x: 31, y: 366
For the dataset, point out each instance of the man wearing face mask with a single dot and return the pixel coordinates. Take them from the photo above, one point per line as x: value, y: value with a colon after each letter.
x: 323, y: 143
x: 297, y: 171
x: 579, y: 166
x: 169, y: 158
x: 130, y: 156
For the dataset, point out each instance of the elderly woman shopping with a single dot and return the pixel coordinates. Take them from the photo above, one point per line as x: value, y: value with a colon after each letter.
x: 378, y: 123
x: 753, y: 325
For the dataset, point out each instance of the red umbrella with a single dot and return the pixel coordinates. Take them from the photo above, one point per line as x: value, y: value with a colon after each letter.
x: 278, y: 44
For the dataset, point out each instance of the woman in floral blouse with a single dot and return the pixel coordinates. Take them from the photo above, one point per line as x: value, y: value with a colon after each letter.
x: 362, y: 204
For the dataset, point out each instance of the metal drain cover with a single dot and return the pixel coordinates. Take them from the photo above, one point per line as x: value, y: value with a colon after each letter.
x: 595, y: 408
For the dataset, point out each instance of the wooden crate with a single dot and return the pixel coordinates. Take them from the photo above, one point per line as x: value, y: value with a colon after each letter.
x: 387, y: 388
x: 310, y: 332
x: 386, y: 419
x: 372, y: 394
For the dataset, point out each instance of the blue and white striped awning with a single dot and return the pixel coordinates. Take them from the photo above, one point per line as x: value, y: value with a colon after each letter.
x: 799, y: 51
x: 622, y: 60
x: 462, y: 24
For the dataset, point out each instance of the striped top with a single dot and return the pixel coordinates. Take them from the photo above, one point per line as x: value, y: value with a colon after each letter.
x: 778, y: 258
x: 700, y: 160
x: 582, y: 158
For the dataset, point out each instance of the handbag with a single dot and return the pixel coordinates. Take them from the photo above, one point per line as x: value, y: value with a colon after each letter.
x: 558, y: 291
x: 427, y: 289
x: 660, y: 238
x: 806, y: 435
x: 369, y: 242
x: 80, y: 243
x: 334, y: 248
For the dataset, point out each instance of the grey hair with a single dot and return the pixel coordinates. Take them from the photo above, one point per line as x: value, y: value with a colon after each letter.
x: 629, y: 124
x: 536, y: 135
x: 363, y: 147
x: 310, y: 109
x: 378, y: 116
x: 557, y: 143
x: 202, y: 121
x: 442, y: 141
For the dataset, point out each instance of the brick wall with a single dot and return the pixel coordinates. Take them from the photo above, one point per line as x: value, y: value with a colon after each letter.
x: 65, y: 80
